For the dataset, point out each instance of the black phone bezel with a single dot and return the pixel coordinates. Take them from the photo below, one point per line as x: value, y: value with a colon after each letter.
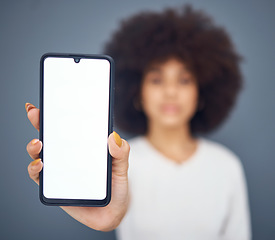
x: 77, y: 202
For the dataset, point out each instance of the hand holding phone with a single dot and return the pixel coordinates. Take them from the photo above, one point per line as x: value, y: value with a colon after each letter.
x: 99, y: 218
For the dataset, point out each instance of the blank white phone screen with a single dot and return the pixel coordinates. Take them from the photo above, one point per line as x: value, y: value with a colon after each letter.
x: 75, y: 132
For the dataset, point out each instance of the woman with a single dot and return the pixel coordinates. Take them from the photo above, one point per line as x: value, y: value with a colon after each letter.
x: 177, y: 75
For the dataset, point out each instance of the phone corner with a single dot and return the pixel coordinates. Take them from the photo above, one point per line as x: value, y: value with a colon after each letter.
x: 106, y: 201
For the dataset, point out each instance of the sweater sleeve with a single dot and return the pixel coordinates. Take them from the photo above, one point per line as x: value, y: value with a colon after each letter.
x: 238, y: 226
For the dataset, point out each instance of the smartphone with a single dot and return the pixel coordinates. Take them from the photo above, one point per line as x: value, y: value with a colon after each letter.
x: 76, y: 118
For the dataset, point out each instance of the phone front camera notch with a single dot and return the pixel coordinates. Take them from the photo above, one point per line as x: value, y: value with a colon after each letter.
x: 76, y: 60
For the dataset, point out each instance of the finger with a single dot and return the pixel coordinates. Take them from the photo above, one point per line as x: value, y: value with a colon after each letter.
x: 119, y: 150
x: 34, y: 168
x: 34, y: 148
x: 33, y: 114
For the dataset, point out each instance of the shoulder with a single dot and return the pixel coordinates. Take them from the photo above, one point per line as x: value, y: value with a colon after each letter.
x: 217, y: 149
x: 141, y: 153
x: 220, y: 157
x: 137, y: 143
x: 138, y: 147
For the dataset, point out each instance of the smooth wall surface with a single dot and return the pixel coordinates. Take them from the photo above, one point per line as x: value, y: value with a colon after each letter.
x: 30, y: 28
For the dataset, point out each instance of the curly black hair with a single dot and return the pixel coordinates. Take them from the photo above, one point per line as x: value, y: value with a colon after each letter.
x: 189, y: 35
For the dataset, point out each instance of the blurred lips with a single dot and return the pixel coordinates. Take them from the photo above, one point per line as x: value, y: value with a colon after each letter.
x: 170, y: 108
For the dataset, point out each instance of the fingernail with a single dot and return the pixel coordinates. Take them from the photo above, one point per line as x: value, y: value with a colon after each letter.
x: 34, y: 141
x: 117, y: 139
x: 28, y: 107
x: 36, y: 161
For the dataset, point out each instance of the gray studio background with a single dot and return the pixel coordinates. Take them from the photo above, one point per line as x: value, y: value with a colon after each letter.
x: 31, y: 28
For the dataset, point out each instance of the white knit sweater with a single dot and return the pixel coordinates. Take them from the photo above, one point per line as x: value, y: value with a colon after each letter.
x: 205, y: 198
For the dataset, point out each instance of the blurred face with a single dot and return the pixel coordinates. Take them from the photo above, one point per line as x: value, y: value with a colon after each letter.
x: 169, y: 94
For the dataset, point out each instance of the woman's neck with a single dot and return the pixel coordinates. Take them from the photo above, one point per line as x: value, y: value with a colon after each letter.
x: 177, y: 144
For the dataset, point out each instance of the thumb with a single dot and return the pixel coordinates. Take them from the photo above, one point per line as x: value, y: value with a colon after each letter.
x: 119, y: 150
